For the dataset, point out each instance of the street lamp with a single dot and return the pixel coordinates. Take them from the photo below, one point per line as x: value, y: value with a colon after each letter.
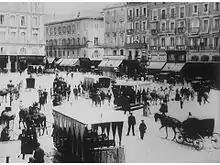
x: 10, y: 87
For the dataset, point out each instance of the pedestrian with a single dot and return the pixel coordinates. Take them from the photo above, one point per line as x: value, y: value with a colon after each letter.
x: 45, y: 94
x: 142, y: 129
x: 131, y: 124
x: 24, y: 143
x: 39, y: 154
x: 164, y: 108
x: 181, y: 102
x: 75, y: 91
x: 109, y: 96
x: 68, y: 92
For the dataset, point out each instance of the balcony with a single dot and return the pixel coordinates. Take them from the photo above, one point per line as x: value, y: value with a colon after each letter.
x: 180, y: 47
x: 136, y: 45
x: 130, y: 17
x: 130, y: 31
x: 153, y: 47
x: 171, y: 47
x: 154, y: 31
x: 162, y: 47
x: 194, y: 47
x: 194, y: 30
x: 180, y: 30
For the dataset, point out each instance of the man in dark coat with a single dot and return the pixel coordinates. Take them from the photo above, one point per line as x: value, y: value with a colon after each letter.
x: 142, y: 129
x: 164, y: 108
x: 24, y: 144
x: 131, y: 123
x: 39, y: 154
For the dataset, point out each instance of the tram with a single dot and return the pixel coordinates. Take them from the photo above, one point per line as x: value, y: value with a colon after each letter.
x: 89, y: 139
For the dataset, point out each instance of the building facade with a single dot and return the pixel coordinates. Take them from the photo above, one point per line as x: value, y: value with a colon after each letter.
x: 136, y: 30
x: 21, y: 34
x: 75, y: 38
x: 181, y: 32
x: 115, y: 28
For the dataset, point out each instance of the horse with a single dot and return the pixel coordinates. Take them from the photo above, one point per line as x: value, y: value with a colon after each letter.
x: 167, y: 121
x: 40, y: 121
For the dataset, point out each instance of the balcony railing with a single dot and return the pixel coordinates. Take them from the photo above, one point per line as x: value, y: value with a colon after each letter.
x: 154, y: 31
x: 130, y: 31
x: 171, y: 47
x: 194, y: 30
x: 153, y: 47
x: 136, y: 45
x: 180, y: 47
x: 162, y: 47
x: 180, y: 30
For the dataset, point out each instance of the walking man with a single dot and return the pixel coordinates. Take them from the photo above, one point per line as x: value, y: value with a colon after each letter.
x: 131, y: 123
x: 75, y: 91
x: 142, y: 129
x: 181, y: 102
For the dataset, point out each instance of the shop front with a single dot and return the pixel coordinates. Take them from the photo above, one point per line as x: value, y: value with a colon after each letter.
x: 155, y: 67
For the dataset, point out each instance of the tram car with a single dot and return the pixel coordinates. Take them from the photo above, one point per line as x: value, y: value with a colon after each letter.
x: 88, y: 139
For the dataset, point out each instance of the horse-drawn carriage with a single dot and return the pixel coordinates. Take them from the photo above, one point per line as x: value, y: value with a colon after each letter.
x: 193, y: 131
x: 84, y: 138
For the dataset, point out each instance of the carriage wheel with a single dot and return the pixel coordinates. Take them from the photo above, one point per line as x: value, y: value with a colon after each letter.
x: 215, y: 140
x: 198, y: 143
x: 179, y: 138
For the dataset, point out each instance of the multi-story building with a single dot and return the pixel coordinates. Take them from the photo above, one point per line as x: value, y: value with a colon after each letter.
x: 136, y: 30
x: 115, y: 26
x: 81, y: 37
x: 21, y: 34
x: 183, y: 32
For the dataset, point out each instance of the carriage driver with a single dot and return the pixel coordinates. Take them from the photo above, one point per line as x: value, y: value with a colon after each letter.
x: 164, y: 108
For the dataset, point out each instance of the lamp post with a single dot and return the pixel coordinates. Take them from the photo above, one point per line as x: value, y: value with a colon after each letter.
x: 10, y: 86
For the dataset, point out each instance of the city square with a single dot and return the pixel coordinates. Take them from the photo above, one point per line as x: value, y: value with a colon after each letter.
x: 85, y: 91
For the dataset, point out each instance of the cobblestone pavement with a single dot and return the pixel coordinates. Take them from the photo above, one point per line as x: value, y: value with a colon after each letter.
x: 153, y: 149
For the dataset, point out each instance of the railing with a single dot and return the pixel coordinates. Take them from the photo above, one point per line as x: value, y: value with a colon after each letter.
x: 162, y: 47
x: 170, y: 47
x: 194, y: 30
x: 154, y: 31
x: 153, y: 47
x: 130, y: 31
x: 180, y: 30
x: 181, y: 47
x: 136, y: 45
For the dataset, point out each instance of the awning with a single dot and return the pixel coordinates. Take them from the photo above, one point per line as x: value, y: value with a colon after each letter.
x: 59, y: 61
x: 50, y: 60
x: 156, y: 65
x: 110, y: 63
x: 69, y: 62
x: 174, y: 67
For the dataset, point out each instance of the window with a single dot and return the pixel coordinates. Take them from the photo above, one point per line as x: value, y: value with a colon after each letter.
x: 51, y: 31
x: 114, y: 52
x: 12, y: 20
x: 23, y: 37
x: 163, y: 26
x: 2, y: 19
x: 180, y: 40
x: 154, y: 14
x: 121, y: 52
x: 182, y: 13
x: 136, y: 26
x: 63, y: 53
x: 163, y: 14
x: 155, y: 42
x: 144, y: 39
x: 130, y: 55
x: 137, y: 12
x: 64, y: 30
x: 144, y: 12
x: 171, y: 41
x: 35, y: 21
x: 130, y: 13
x: 35, y: 38
x: 172, y: 25
x: 205, y: 40
x: 205, y: 25
x: 55, y: 30
x: 144, y: 25
x: 78, y: 41
x: 195, y: 8
x: 84, y: 40
x: 181, y: 25
x: 163, y: 41
x: 22, y: 20
x: 215, y: 42
x: 59, y: 30
x: 172, y: 12
x: 205, y: 8
x: 2, y: 50
x: 13, y: 36
x: 216, y: 24
x: 217, y: 6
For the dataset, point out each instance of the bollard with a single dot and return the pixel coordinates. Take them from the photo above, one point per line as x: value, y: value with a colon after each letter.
x: 7, y: 159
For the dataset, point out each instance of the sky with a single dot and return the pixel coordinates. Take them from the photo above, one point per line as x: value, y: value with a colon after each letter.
x: 65, y: 10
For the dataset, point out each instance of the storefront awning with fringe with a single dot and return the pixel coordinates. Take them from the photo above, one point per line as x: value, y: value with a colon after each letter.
x: 50, y: 60
x: 174, y: 67
x: 111, y: 63
x: 69, y: 62
x: 156, y: 65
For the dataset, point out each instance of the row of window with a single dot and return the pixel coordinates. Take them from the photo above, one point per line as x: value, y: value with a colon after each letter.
x: 23, y: 22
x: 22, y: 50
x: 22, y: 38
x: 137, y: 25
x: 182, y: 14
x: 114, y: 39
x: 137, y: 12
x: 114, y: 25
x: 69, y: 53
x: 72, y: 41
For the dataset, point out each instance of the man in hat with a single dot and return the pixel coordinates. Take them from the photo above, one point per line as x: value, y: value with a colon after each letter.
x: 142, y: 129
x: 39, y: 154
x: 164, y: 108
x: 131, y: 123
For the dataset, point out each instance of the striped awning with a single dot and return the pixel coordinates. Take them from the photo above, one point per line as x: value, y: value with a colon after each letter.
x: 69, y: 62
x: 174, y: 67
x: 59, y: 61
x: 111, y: 63
x: 156, y: 65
